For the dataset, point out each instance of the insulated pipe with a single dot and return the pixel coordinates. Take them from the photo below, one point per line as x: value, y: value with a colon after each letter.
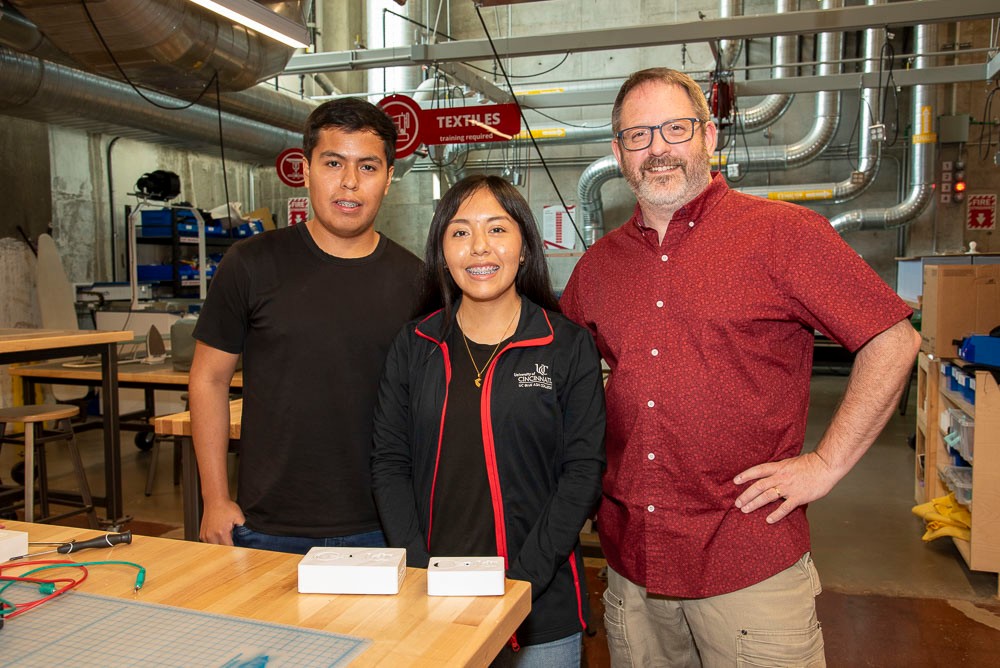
x: 770, y: 158
x: 22, y: 35
x: 730, y: 49
x: 390, y: 30
x: 761, y: 158
x: 922, y: 164
x: 259, y: 103
x: 453, y: 156
x: 772, y: 107
x: 172, y: 46
x: 869, y: 152
x: 588, y: 194
x: 48, y: 92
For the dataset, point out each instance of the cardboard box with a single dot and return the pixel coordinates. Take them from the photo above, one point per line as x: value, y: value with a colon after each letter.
x: 958, y: 301
x: 910, y: 273
x: 352, y: 570
x: 465, y: 576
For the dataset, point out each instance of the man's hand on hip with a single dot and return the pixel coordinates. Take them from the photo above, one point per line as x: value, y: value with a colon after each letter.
x: 794, y: 482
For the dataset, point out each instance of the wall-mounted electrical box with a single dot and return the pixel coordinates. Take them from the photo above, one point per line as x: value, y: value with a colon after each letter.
x: 953, y: 129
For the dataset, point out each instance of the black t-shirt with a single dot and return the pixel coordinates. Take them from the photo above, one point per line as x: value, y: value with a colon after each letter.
x: 463, y: 524
x: 314, y: 330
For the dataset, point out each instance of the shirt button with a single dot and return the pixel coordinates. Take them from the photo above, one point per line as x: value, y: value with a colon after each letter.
x: 651, y: 456
x: 655, y: 352
x: 691, y: 224
x: 659, y: 303
x: 650, y: 403
x: 663, y: 257
x: 650, y: 508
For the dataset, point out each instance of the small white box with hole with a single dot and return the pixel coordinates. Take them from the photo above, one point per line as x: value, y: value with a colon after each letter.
x: 352, y: 570
x: 465, y: 576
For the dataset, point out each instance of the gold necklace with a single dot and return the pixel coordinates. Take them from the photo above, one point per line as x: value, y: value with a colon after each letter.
x: 465, y: 339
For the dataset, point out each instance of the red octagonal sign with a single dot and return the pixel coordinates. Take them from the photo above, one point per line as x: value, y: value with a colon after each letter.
x: 291, y: 167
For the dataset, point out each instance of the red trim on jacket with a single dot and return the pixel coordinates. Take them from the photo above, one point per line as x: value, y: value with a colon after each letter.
x: 489, y: 446
x: 576, y: 583
x: 444, y: 409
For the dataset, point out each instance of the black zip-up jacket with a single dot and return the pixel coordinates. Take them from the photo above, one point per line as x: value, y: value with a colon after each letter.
x: 543, y: 435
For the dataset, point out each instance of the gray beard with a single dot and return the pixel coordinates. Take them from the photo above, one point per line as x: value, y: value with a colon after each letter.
x: 652, y: 193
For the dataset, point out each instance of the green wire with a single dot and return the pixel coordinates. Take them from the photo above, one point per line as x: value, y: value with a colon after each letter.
x: 6, y: 606
x: 140, y: 578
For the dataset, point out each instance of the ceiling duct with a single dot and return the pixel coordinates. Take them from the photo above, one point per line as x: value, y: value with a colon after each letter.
x: 173, y: 46
x: 43, y: 91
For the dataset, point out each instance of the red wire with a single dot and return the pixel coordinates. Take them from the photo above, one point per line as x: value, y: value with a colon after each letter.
x: 20, y: 608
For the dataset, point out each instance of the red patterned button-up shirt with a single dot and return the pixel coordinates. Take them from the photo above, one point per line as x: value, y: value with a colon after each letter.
x: 709, y: 337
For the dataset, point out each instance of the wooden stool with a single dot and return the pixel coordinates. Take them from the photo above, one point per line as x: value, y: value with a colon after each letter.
x: 35, y: 436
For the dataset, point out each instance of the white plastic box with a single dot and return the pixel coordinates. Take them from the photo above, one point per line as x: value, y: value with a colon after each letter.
x: 13, y: 544
x: 352, y: 570
x: 465, y: 576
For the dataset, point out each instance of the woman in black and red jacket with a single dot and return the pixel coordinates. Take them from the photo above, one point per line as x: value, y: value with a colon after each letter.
x: 489, y: 428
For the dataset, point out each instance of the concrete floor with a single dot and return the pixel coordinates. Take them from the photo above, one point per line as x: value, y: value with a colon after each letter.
x: 866, y: 544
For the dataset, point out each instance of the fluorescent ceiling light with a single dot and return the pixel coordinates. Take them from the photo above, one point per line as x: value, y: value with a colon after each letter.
x: 259, y: 18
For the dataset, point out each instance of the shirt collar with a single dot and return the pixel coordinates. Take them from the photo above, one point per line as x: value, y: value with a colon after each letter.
x: 703, y: 203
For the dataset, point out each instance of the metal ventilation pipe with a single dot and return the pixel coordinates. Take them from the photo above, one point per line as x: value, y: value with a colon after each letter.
x: 730, y: 49
x: 453, y: 155
x: 172, y: 46
x: 772, y: 107
x: 588, y: 194
x: 869, y: 152
x: 386, y: 30
x: 44, y: 91
x: 260, y: 103
x: 769, y: 158
x: 922, y: 164
x: 22, y: 35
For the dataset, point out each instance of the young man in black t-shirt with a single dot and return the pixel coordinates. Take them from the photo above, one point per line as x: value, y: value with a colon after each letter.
x: 313, y: 309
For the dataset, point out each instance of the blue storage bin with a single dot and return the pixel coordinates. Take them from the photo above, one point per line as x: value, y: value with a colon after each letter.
x: 969, y: 390
x: 154, y: 272
x: 164, y: 272
x: 156, y: 222
x: 248, y: 229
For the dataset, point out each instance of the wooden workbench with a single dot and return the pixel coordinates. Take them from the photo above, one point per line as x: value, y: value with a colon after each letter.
x: 154, y: 376
x: 178, y: 425
x: 32, y: 345
x: 408, y: 629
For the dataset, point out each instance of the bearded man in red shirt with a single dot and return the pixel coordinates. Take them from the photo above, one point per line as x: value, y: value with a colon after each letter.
x: 704, y: 305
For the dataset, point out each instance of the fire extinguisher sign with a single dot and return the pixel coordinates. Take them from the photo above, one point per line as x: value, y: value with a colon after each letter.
x: 981, y: 213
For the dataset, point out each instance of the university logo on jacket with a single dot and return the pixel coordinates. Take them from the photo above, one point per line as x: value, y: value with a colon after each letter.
x: 539, y: 377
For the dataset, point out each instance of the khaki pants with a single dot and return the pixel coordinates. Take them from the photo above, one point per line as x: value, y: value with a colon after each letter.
x: 772, y: 623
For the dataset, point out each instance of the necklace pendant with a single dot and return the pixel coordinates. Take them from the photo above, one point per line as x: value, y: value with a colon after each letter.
x: 479, y: 381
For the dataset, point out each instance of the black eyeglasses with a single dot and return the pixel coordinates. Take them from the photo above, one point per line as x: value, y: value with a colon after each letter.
x: 676, y: 131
